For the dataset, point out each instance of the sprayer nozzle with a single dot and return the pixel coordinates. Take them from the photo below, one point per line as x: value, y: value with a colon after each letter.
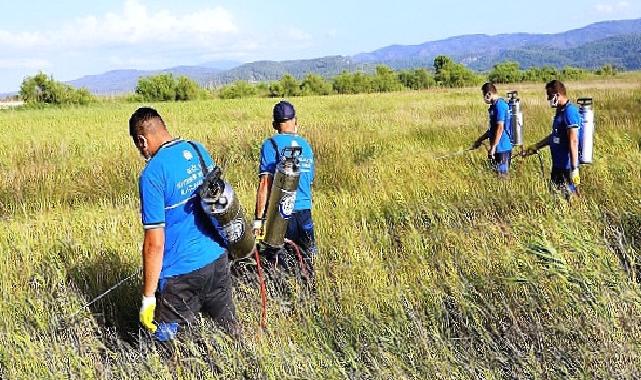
x: 213, y: 185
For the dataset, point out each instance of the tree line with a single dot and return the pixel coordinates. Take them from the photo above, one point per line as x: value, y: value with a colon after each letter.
x: 509, y: 72
x: 445, y: 73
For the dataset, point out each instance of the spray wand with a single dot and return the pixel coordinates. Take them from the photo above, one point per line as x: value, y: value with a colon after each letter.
x: 459, y: 152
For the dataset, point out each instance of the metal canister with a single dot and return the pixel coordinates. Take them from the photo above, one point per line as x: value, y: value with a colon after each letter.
x: 282, y: 196
x: 220, y: 203
x: 516, y: 117
x: 586, y: 134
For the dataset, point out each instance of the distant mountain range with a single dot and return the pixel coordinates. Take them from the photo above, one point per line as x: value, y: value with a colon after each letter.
x: 120, y: 81
x: 616, y: 42
x: 470, y: 46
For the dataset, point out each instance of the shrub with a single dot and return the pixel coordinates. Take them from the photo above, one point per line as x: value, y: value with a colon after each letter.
x: 314, y: 84
x: 43, y: 89
x: 451, y: 74
x: 237, y: 90
x: 506, y: 72
x: 418, y: 79
x: 289, y: 86
x: 606, y: 70
x: 572, y: 73
x: 385, y: 80
x: 541, y: 74
x: 164, y: 87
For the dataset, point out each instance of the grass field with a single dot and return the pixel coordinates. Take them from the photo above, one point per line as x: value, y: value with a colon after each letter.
x: 427, y: 268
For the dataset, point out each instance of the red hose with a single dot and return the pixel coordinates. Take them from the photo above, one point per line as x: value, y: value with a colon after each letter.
x: 303, y: 267
x: 261, y: 279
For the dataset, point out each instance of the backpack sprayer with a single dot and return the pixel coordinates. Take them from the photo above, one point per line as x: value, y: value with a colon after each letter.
x: 586, y: 136
x: 282, y: 196
x: 516, y: 116
x: 221, y: 205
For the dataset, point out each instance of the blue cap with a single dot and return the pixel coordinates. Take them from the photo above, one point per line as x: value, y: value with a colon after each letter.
x: 284, y: 111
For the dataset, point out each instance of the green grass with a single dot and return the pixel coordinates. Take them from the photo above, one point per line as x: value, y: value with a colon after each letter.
x: 427, y: 268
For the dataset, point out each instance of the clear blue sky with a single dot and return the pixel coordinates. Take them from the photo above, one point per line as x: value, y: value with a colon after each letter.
x: 72, y: 38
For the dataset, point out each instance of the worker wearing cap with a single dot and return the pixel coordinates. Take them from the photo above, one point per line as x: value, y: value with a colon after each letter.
x: 300, y: 227
x: 498, y: 133
x: 563, y: 140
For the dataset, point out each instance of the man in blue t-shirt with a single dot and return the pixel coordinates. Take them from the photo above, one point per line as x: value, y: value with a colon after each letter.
x: 300, y: 227
x: 185, y: 268
x: 564, y: 139
x: 498, y: 133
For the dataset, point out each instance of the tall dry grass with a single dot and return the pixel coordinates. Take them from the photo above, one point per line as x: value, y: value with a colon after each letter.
x: 427, y: 268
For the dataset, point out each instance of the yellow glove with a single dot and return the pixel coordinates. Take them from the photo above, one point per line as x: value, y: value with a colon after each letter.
x: 147, y: 313
x: 574, y: 177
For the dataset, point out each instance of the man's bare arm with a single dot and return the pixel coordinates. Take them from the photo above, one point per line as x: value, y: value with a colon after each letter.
x: 262, y: 195
x: 573, y: 135
x: 152, y: 253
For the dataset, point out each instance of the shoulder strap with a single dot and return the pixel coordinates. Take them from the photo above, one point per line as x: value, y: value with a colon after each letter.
x: 203, y: 166
x: 275, y: 146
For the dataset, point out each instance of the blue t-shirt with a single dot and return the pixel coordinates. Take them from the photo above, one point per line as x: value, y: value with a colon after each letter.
x: 566, y: 117
x: 168, y: 199
x: 499, y: 111
x: 268, y: 161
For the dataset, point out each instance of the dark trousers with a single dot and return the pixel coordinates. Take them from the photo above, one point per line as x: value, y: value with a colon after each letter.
x: 562, y: 180
x: 501, y: 162
x: 207, y: 290
x: 300, y: 230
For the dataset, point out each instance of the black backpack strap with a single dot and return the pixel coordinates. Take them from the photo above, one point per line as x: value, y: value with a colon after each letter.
x: 271, y: 139
x: 203, y: 166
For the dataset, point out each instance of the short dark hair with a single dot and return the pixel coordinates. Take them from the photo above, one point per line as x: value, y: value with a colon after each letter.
x: 556, y: 86
x: 141, y: 116
x: 489, y: 88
